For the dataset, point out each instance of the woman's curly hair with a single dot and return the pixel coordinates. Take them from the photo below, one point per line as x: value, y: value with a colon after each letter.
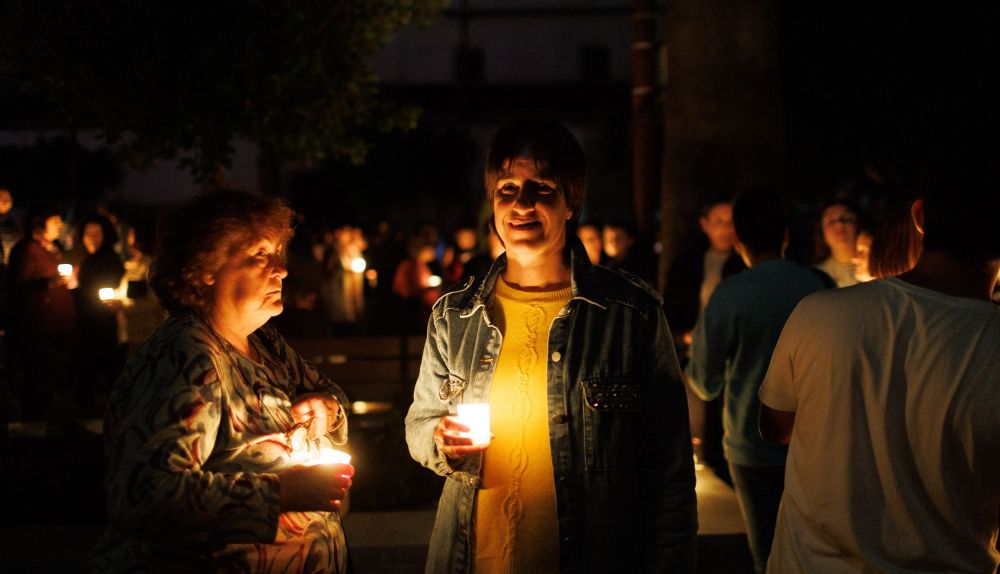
x: 195, y: 240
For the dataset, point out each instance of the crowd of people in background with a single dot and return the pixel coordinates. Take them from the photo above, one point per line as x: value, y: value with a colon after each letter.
x: 75, y: 303
x: 345, y: 280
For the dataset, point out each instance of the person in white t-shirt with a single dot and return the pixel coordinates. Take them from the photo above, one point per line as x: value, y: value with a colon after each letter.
x: 889, y: 394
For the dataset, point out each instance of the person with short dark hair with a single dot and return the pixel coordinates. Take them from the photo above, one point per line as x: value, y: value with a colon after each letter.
x: 731, y: 346
x: 589, y: 466
x: 888, y: 395
x: 210, y: 423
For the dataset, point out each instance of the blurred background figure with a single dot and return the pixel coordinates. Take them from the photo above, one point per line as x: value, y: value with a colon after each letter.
x: 691, y: 280
x: 622, y: 253
x: 101, y: 354
x: 42, y: 331
x: 10, y: 231
x: 457, y: 256
x: 417, y: 285
x: 590, y: 235
x: 141, y: 311
x: 839, y: 231
x: 862, y: 250
x: 482, y: 261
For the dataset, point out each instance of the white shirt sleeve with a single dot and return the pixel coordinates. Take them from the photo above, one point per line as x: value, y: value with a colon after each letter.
x: 778, y: 390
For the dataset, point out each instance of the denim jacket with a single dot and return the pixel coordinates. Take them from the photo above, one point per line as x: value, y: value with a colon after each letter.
x: 618, y: 423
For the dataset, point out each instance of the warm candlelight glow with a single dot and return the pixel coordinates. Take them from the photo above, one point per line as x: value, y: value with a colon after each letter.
x: 358, y: 265
x: 322, y: 456
x: 65, y: 269
x: 434, y: 281
x: 476, y: 416
x: 106, y: 293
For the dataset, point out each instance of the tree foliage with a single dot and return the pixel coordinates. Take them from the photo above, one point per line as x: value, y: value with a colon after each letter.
x: 181, y: 80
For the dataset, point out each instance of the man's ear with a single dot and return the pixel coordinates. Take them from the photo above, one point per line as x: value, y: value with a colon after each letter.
x: 917, y: 213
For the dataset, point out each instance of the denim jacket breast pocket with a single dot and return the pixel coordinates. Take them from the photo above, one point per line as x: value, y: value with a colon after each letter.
x: 612, y: 422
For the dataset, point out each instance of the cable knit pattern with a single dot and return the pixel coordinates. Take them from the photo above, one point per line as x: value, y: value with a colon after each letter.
x: 516, y: 527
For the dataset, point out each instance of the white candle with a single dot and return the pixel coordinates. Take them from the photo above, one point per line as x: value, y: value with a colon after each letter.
x: 64, y: 269
x: 434, y: 281
x: 322, y: 456
x: 358, y: 265
x: 106, y: 293
x: 476, y: 416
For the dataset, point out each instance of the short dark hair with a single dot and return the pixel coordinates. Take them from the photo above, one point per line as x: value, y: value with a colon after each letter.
x: 544, y: 141
x: 962, y: 202
x: 760, y: 219
x: 36, y: 216
x: 196, y: 239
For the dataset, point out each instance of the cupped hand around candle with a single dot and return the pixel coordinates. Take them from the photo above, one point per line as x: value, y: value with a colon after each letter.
x: 452, y: 439
x: 319, y: 487
x: 321, y: 411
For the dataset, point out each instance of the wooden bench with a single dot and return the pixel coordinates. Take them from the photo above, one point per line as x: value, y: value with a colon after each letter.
x: 371, y: 369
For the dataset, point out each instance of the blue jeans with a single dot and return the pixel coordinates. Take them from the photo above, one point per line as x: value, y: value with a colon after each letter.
x: 758, y: 489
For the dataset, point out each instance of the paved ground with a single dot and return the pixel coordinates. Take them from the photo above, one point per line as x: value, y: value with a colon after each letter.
x: 51, y: 514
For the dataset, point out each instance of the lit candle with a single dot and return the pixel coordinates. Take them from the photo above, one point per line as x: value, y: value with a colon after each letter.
x: 476, y: 416
x: 358, y: 265
x: 434, y: 281
x: 322, y: 456
x: 106, y: 293
x: 64, y: 269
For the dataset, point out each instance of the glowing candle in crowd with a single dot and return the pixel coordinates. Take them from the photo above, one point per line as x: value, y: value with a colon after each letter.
x: 476, y: 416
x: 106, y: 293
x: 358, y: 265
x: 434, y: 281
x: 65, y: 269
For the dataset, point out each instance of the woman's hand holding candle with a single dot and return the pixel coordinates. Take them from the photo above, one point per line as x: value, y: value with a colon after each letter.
x: 319, y: 487
x: 453, y: 439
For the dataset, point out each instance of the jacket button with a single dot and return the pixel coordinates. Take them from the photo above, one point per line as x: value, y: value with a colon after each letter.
x: 560, y: 419
x: 556, y: 356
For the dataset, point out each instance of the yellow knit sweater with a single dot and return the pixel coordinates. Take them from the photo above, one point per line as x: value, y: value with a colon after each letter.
x: 516, y: 527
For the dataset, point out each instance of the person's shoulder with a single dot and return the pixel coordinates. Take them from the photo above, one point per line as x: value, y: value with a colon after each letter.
x: 458, y: 294
x: 620, y: 286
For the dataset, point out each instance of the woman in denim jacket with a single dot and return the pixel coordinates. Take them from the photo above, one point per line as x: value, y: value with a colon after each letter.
x: 589, y: 468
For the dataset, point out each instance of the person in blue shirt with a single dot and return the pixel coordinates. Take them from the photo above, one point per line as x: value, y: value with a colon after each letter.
x: 731, y: 349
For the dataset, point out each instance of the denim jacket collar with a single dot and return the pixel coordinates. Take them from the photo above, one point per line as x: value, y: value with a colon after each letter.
x: 584, y: 284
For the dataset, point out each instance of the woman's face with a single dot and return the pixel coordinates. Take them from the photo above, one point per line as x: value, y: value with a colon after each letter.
x: 840, y: 227
x: 530, y: 214
x: 93, y: 237
x: 246, y: 290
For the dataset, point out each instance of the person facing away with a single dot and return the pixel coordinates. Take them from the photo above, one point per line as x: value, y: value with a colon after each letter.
x: 589, y: 468
x: 888, y: 395
x: 731, y: 348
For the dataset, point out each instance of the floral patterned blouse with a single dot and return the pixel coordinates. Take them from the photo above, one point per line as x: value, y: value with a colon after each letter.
x: 194, y: 435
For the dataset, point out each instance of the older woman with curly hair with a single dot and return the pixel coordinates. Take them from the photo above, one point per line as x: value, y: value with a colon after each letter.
x: 209, y: 424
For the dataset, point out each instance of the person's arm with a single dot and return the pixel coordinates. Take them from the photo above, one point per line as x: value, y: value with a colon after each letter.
x: 431, y: 434
x: 710, y: 345
x: 313, y: 393
x: 162, y: 428
x: 670, y: 509
x: 778, y: 391
x: 776, y: 426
